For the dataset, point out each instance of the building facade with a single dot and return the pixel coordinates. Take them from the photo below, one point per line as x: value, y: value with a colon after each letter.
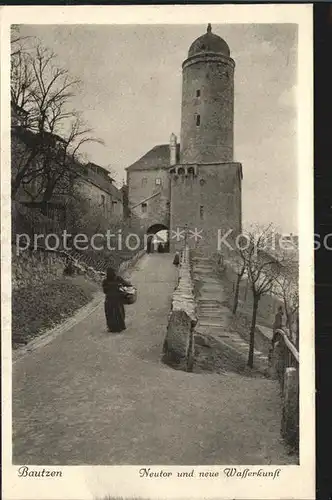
x: 194, y: 189
x: 95, y: 184
x: 91, y: 181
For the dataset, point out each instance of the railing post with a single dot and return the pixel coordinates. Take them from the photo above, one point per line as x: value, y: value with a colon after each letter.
x: 290, y: 410
x: 286, y: 369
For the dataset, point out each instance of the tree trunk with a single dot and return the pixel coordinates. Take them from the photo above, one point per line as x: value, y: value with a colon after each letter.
x: 297, y: 333
x: 236, y: 294
x: 48, y: 193
x: 246, y: 291
x: 16, y: 183
x: 252, y: 332
x: 289, y: 325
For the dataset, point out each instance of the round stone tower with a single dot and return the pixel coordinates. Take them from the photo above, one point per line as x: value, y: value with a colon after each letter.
x: 207, y: 102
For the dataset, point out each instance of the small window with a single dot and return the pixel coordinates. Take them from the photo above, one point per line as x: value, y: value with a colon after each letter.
x: 201, y: 212
x: 198, y: 120
x: 158, y: 181
x: 144, y: 207
x: 144, y: 181
x: 198, y: 93
x: 103, y: 200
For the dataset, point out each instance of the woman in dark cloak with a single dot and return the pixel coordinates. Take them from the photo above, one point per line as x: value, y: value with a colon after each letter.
x: 114, y: 308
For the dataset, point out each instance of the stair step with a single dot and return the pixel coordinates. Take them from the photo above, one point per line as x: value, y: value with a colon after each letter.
x: 217, y: 307
x: 214, y: 323
x: 217, y: 304
x: 213, y: 306
x: 206, y: 319
x: 212, y: 281
x: 209, y: 300
x: 214, y: 312
x: 219, y: 310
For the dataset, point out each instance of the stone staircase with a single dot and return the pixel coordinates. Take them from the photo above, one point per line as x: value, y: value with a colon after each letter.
x: 215, y: 317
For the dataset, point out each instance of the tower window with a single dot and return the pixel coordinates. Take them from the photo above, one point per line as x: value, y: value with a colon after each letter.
x: 201, y: 212
x: 144, y: 207
x: 198, y: 120
x: 144, y: 181
x: 158, y: 181
x: 198, y: 93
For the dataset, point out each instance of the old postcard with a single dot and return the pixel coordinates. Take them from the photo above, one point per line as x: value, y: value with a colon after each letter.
x: 157, y: 252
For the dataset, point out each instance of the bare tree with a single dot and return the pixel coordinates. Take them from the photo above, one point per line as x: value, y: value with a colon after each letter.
x: 56, y: 131
x: 239, y: 265
x: 63, y: 165
x: 22, y: 79
x: 16, y: 39
x: 42, y: 89
x: 262, y: 269
x: 286, y: 285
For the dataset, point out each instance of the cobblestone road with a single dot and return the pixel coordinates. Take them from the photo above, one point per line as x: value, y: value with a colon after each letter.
x: 93, y: 398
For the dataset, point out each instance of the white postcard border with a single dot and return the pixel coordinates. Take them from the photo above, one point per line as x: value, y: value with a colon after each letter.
x: 90, y: 482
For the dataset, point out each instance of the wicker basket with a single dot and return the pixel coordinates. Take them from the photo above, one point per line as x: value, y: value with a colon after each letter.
x: 129, y: 294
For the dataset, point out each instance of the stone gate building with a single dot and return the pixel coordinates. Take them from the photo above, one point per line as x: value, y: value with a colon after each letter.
x: 194, y: 189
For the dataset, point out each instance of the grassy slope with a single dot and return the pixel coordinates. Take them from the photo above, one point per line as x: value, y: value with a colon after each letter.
x: 35, y: 309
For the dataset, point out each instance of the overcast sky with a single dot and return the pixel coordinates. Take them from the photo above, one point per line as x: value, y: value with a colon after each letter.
x: 131, y: 96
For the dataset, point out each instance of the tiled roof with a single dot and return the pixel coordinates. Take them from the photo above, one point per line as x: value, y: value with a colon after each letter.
x: 157, y: 157
x: 100, y: 170
x: 29, y: 137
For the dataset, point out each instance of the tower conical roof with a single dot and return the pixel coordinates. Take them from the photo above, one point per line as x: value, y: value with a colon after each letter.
x: 209, y: 42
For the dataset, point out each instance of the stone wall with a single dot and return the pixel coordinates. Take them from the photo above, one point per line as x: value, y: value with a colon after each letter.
x: 126, y: 265
x: 33, y: 267
x: 208, y: 202
x: 212, y: 77
x: 100, y: 199
x: 178, y: 348
x: 142, y: 186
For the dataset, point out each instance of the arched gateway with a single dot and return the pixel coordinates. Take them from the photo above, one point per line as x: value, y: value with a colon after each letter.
x: 157, y: 238
x: 197, y: 184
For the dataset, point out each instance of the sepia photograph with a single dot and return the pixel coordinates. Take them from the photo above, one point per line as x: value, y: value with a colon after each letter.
x: 155, y: 290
